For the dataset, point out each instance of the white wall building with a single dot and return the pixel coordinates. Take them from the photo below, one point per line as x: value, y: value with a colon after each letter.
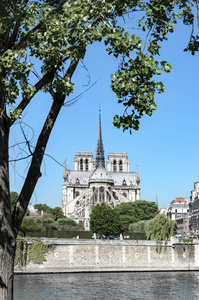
x: 178, y: 210
x: 194, y: 209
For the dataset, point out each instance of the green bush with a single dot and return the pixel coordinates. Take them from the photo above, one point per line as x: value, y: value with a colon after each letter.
x: 30, y: 250
x: 66, y: 221
x: 48, y: 221
x: 135, y: 236
x: 30, y: 224
x: 137, y: 227
x: 61, y: 234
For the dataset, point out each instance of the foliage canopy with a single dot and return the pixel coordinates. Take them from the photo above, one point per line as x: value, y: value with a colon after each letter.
x: 160, y: 228
x: 134, y: 212
x: 57, y: 34
x: 56, y: 212
x: 137, y: 227
x: 105, y: 220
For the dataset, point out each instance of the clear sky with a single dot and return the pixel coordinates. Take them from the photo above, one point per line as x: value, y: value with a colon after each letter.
x: 166, y: 148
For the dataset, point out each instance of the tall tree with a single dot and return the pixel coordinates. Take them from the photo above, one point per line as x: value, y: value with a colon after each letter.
x: 43, y: 207
x: 56, y: 35
x: 160, y: 228
x: 133, y: 212
x: 105, y: 220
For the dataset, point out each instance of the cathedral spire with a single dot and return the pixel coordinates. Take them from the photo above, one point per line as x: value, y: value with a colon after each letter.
x: 100, y: 149
x: 156, y: 202
x: 137, y: 176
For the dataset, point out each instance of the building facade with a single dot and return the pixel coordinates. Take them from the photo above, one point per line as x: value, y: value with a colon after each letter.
x: 178, y: 211
x: 194, y: 209
x: 91, y: 182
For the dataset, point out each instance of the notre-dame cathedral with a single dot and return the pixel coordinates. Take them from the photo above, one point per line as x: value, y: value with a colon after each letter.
x: 91, y: 183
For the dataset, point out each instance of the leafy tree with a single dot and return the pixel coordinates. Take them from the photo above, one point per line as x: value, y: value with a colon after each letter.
x: 137, y: 227
x: 105, y: 220
x: 54, y: 35
x: 43, y: 207
x: 126, y: 220
x: 160, y: 228
x: 57, y: 213
x: 68, y: 224
x: 66, y: 221
x: 30, y: 224
x: 133, y: 212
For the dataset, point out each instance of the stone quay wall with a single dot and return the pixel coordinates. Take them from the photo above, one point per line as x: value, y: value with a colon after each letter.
x: 68, y: 255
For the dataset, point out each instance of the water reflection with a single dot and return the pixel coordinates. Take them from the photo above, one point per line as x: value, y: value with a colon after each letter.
x: 109, y: 286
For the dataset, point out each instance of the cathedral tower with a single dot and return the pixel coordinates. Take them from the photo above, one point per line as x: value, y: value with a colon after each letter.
x: 90, y: 183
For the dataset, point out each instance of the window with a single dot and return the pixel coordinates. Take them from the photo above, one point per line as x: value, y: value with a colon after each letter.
x: 120, y: 165
x: 101, y: 189
x: 101, y: 194
x: 124, y: 182
x: 114, y: 165
x: 81, y: 164
x: 86, y: 161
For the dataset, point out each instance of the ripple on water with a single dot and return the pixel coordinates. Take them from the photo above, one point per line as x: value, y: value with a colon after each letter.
x: 108, y: 286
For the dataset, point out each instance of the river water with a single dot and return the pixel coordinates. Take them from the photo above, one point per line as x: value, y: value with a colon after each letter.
x: 108, y: 286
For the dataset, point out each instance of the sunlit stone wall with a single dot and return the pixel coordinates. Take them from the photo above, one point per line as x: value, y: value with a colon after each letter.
x: 113, y: 255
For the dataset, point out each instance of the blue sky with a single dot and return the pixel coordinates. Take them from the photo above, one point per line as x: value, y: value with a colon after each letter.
x: 166, y: 148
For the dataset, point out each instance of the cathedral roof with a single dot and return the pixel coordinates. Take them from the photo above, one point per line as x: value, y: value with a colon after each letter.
x: 78, y: 177
x: 100, y: 174
x: 124, y: 178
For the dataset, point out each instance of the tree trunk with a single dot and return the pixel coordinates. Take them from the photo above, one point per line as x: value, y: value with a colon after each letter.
x: 7, y: 238
x: 34, y: 172
x: 10, y: 223
x: 7, y: 254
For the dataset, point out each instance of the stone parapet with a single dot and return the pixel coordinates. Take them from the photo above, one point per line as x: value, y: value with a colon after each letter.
x: 70, y: 255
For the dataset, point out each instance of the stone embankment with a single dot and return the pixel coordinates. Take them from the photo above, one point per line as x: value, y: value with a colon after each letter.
x: 68, y: 255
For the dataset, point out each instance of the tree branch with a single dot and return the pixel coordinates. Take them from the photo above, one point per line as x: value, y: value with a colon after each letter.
x: 47, y: 78
x: 38, y: 154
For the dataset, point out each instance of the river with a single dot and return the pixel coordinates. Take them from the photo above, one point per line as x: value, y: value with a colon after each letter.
x: 108, y: 286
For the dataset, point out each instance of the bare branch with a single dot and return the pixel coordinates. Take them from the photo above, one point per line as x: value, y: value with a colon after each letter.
x: 89, y: 78
x: 74, y: 100
x: 47, y: 78
x: 27, y: 142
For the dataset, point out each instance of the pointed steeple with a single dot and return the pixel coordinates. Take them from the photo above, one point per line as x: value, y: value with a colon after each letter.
x: 65, y: 176
x: 156, y: 202
x: 100, y: 149
x: 137, y: 176
x: 65, y: 169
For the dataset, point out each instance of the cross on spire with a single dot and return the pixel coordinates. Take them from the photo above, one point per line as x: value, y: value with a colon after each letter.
x: 100, y: 149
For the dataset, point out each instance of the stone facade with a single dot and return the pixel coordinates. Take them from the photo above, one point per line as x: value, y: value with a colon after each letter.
x: 194, y: 209
x: 91, y: 183
x: 178, y: 210
x: 114, y: 255
x: 117, y: 162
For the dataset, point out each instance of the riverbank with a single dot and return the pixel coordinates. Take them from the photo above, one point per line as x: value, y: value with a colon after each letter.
x: 69, y: 256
